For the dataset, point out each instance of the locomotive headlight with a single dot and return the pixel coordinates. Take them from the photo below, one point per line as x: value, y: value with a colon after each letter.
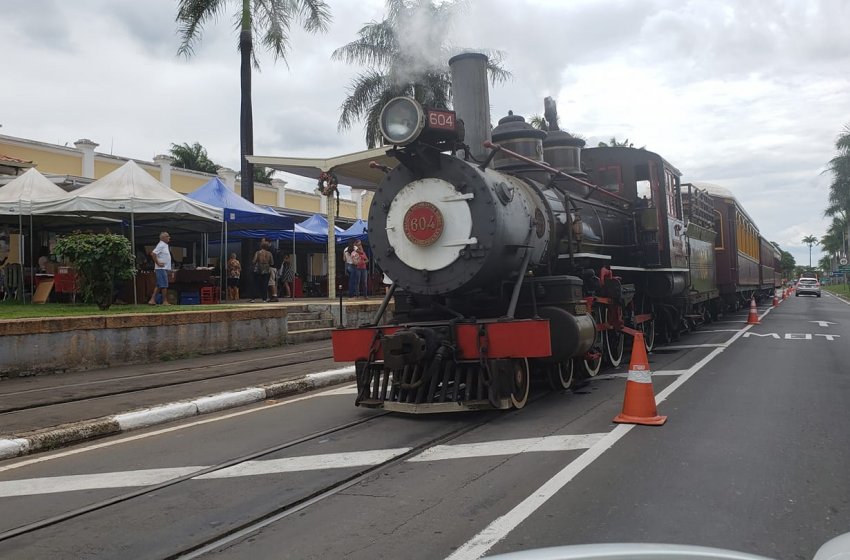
x: 401, y: 121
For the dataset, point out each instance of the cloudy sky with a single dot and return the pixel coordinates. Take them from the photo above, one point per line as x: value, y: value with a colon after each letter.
x: 747, y: 94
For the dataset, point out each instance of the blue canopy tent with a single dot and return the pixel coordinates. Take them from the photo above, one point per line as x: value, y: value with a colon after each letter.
x: 312, y: 230
x: 357, y: 230
x: 239, y: 214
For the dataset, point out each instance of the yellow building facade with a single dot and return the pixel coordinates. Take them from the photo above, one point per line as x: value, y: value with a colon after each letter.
x: 81, y: 163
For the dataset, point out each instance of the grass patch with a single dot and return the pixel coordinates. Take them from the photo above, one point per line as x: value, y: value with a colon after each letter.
x: 15, y: 310
x: 839, y: 289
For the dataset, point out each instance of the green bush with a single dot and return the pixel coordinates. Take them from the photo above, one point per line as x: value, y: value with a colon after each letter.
x: 102, y: 260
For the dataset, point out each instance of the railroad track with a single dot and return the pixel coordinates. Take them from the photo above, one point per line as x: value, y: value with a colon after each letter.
x: 212, y: 542
x: 189, y: 376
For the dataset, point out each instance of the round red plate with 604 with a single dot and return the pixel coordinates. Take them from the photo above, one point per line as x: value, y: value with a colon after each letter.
x: 423, y: 223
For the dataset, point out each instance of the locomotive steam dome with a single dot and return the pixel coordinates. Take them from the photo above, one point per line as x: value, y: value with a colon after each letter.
x: 562, y: 151
x: 456, y: 227
x: 514, y: 134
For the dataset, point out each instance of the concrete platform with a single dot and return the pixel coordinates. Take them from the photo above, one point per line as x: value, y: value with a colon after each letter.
x: 65, y: 344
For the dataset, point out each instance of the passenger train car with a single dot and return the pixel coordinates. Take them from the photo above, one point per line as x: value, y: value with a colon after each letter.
x: 532, y: 256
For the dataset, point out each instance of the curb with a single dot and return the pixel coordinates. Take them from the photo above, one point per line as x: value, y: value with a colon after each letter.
x: 67, y: 434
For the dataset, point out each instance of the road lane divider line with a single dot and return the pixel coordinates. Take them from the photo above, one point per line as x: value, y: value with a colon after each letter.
x: 109, y: 426
x: 497, y: 530
x: 507, y: 447
x: 351, y: 459
x: 839, y: 298
x: 625, y: 375
x: 692, y: 346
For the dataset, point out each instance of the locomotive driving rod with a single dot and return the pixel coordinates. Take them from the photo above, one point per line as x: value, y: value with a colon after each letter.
x: 497, y: 147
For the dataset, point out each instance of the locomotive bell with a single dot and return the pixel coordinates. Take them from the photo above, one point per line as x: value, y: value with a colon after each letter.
x: 562, y: 151
x: 514, y: 134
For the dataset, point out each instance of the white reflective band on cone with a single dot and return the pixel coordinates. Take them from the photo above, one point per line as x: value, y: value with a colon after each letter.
x: 640, y: 376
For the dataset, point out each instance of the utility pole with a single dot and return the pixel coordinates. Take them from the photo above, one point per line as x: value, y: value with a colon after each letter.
x: 328, y: 187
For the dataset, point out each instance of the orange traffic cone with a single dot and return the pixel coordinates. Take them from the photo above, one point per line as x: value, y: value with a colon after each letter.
x: 639, y: 402
x: 753, y: 317
x: 775, y: 299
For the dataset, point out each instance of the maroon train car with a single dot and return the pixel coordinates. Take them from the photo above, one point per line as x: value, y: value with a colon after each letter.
x: 737, y: 249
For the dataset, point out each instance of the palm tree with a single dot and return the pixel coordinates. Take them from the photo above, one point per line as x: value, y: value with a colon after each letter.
x: 406, y: 54
x: 810, y: 240
x: 612, y: 143
x: 192, y: 157
x: 263, y: 175
x: 267, y: 20
x: 838, y: 206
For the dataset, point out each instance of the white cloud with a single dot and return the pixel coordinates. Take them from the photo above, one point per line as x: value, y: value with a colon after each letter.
x: 750, y: 95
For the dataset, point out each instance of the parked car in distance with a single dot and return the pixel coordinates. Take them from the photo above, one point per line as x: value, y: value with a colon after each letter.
x: 808, y: 286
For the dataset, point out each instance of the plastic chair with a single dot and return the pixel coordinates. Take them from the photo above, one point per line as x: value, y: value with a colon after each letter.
x: 14, y: 281
x: 65, y: 282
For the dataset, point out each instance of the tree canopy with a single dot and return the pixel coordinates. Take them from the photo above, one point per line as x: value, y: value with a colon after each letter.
x: 613, y: 143
x: 192, y: 157
x: 265, y: 23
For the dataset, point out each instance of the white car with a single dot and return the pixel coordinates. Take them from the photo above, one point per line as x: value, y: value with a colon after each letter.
x: 807, y: 286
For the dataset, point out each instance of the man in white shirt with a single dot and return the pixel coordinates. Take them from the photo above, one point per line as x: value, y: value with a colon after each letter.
x: 162, y: 264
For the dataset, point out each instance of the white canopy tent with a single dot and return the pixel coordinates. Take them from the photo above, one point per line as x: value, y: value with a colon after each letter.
x: 133, y: 192
x: 17, y: 199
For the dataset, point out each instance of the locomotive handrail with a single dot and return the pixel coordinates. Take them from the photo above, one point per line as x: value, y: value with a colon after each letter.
x: 497, y: 147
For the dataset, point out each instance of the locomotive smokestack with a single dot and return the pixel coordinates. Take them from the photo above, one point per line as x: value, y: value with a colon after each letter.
x: 472, y: 99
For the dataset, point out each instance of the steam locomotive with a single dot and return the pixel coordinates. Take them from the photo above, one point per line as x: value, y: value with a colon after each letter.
x: 518, y: 252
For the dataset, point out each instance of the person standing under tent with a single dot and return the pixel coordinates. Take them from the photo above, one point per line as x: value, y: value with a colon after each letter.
x: 263, y: 262
x: 234, y: 274
x: 361, y: 261
x: 273, y: 275
x: 287, y: 275
x: 350, y: 269
x: 161, y: 256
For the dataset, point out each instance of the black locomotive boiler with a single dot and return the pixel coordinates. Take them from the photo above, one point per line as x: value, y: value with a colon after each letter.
x: 526, y: 256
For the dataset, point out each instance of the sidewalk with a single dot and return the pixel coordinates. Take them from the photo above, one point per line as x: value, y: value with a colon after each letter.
x: 45, y: 412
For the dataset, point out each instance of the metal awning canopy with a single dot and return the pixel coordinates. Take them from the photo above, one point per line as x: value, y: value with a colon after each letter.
x: 351, y: 169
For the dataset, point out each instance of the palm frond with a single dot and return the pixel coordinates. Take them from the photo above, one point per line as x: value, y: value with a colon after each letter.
x: 376, y: 46
x: 315, y: 15
x: 365, y: 90
x: 191, y: 17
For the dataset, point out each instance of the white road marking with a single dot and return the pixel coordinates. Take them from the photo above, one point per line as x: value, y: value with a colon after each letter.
x: 308, y: 463
x: 842, y: 300
x: 128, y: 439
x: 507, y: 447
x: 346, y: 390
x: 699, y: 331
x: 692, y: 346
x: 71, y: 483
x: 823, y: 323
x: 497, y: 530
x: 351, y: 459
x: 625, y: 375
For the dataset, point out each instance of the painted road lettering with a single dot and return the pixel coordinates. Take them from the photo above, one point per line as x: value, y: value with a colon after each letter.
x: 823, y: 323
x: 792, y: 336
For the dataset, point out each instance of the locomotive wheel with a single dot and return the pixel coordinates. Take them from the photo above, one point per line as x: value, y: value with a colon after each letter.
x: 520, y: 383
x: 648, y: 327
x: 614, y: 342
x: 592, y: 367
x: 561, y: 375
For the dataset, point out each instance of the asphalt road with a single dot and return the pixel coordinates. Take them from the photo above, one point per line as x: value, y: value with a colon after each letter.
x: 753, y: 458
